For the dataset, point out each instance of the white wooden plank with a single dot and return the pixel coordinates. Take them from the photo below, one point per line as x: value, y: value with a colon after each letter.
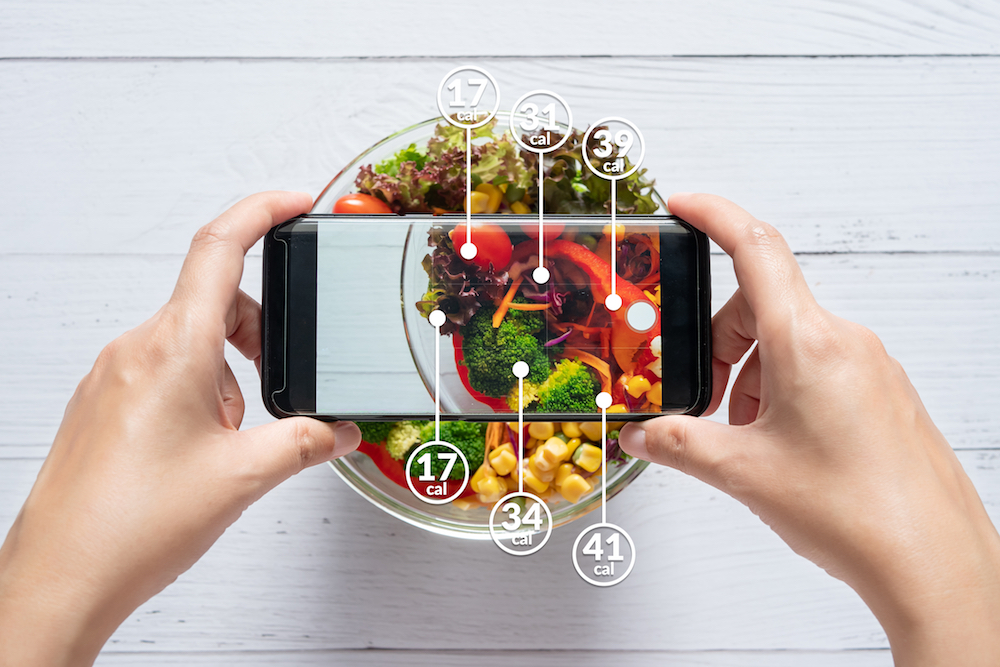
x: 314, y: 566
x: 622, y: 658
x: 312, y: 28
x: 893, y: 154
x: 938, y: 314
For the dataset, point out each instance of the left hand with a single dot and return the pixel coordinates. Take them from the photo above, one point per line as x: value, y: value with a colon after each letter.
x: 149, y: 466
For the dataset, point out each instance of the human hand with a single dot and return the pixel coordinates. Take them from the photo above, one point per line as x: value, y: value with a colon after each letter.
x: 831, y: 447
x: 148, y: 467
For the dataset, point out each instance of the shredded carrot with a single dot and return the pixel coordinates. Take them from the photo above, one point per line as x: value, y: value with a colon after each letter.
x: 494, y: 432
x: 529, y: 306
x: 504, y: 304
x: 602, y: 367
x: 592, y: 306
x: 606, y: 342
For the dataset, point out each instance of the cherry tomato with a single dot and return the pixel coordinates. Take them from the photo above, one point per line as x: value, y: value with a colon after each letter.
x: 360, y: 203
x: 491, y: 241
x: 552, y: 230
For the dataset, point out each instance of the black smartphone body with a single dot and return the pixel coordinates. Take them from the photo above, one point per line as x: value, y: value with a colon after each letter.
x: 348, y: 333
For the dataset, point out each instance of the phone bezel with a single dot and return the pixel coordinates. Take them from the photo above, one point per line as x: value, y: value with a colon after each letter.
x: 276, y: 366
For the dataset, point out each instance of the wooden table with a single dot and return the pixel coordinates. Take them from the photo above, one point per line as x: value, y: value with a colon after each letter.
x: 868, y: 132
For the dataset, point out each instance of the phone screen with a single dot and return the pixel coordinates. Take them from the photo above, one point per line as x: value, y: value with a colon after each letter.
x: 356, y: 341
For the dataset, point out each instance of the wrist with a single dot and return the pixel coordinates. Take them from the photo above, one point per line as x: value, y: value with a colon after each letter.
x: 942, y: 607
x: 47, y: 615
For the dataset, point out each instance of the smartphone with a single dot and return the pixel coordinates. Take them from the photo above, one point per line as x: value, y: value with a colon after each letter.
x: 348, y: 303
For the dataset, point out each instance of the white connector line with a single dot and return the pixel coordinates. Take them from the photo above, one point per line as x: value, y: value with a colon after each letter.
x: 468, y: 185
x: 437, y: 318
x: 437, y: 384
x: 541, y: 204
x: 614, y: 233
x: 520, y: 435
x: 604, y: 458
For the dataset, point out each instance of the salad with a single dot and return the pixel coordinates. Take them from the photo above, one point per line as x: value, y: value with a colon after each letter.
x: 498, y: 314
x: 561, y: 459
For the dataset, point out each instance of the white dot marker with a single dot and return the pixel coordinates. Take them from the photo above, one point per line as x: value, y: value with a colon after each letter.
x: 437, y: 318
x: 641, y: 316
x: 603, y: 400
x: 468, y: 251
x: 541, y: 275
x: 521, y: 369
x: 613, y: 302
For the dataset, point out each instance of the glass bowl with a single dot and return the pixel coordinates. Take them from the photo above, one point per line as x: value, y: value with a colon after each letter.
x: 357, y: 469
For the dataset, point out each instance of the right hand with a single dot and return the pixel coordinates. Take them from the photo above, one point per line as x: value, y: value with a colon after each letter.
x: 830, y: 446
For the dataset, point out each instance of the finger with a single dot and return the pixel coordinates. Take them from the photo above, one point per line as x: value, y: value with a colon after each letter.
x: 733, y: 332
x: 214, y: 264
x: 232, y: 397
x: 283, y: 448
x: 744, y: 401
x: 714, y: 453
x: 734, y: 329
x: 766, y: 270
x: 243, y: 326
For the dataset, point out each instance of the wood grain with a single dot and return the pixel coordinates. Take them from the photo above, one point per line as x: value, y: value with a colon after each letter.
x: 888, y: 154
x: 314, y: 566
x: 938, y: 314
x: 395, y: 28
x: 540, y: 658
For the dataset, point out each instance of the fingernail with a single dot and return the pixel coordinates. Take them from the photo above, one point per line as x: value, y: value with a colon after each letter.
x: 348, y: 438
x: 632, y: 439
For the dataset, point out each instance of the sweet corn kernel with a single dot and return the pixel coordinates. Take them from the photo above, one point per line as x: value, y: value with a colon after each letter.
x: 637, y: 386
x: 481, y: 474
x: 531, y: 444
x: 573, y: 488
x: 588, y: 457
x: 533, y: 483
x: 489, y: 490
x: 503, y: 459
x: 480, y: 200
x: 495, y: 195
x: 551, y: 454
x: 542, y: 430
x: 513, y: 426
x: 544, y: 475
x: 617, y: 408
x: 519, y: 208
x: 572, y: 445
x: 571, y: 429
x: 592, y: 430
x: 655, y: 394
x: 562, y: 472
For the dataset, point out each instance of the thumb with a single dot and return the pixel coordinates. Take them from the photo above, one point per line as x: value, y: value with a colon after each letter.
x: 714, y: 453
x: 286, y: 447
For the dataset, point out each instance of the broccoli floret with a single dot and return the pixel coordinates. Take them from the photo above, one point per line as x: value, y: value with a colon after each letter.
x: 402, y: 438
x: 375, y: 432
x: 469, y: 438
x: 570, y: 388
x: 530, y: 396
x: 490, y: 353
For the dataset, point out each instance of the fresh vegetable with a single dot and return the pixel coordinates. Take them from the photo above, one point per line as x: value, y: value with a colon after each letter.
x: 493, y: 246
x: 402, y: 438
x: 375, y: 432
x: 588, y: 457
x: 490, y: 353
x: 456, y: 287
x: 360, y: 203
x: 570, y: 388
x: 468, y: 437
x: 552, y: 230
